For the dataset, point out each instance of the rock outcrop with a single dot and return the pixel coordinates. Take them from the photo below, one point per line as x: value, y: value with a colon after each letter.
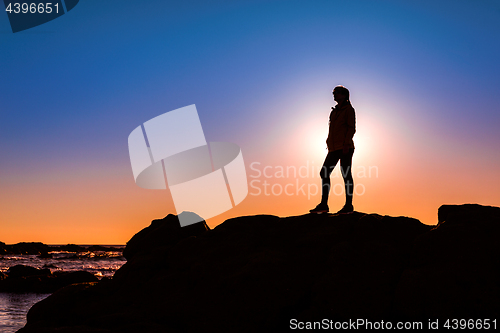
x: 24, y: 248
x: 256, y: 273
x: 455, y: 269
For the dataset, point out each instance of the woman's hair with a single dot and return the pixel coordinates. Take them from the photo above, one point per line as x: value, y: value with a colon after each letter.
x: 343, y: 90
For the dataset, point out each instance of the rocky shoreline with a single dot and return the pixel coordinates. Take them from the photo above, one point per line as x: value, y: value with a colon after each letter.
x: 22, y: 278
x: 27, y: 279
x: 256, y: 273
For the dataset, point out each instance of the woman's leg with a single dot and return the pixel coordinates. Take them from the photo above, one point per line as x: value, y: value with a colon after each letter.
x: 346, y: 168
x: 330, y: 162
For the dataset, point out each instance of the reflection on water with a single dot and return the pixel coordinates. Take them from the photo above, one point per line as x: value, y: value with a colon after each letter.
x: 13, y: 310
x: 99, y: 263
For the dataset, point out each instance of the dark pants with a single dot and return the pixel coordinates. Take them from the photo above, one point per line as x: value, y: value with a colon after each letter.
x: 345, y: 167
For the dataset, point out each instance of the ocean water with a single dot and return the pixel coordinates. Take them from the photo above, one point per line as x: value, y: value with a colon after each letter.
x: 14, y: 307
x: 13, y: 310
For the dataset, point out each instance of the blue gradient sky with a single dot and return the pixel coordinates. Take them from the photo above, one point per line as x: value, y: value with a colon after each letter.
x: 424, y: 79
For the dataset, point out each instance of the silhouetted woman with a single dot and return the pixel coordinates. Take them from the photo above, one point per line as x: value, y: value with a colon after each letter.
x: 340, y: 147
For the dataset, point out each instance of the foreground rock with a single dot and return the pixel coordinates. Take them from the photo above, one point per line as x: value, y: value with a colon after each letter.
x: 455, y: 271
x: 256, y: 273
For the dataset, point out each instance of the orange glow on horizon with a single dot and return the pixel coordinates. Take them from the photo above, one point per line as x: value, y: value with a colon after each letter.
x: 396, y: 171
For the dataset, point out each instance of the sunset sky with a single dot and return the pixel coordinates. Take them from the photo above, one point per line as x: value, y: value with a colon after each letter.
x: 424, y: 78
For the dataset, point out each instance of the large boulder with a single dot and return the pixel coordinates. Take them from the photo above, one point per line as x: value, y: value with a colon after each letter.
x: 162, y: 233
x: 248, y: 274
x: 256, y: 273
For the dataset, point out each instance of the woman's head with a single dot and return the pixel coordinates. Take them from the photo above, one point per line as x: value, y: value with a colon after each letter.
x: 340, y: 94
